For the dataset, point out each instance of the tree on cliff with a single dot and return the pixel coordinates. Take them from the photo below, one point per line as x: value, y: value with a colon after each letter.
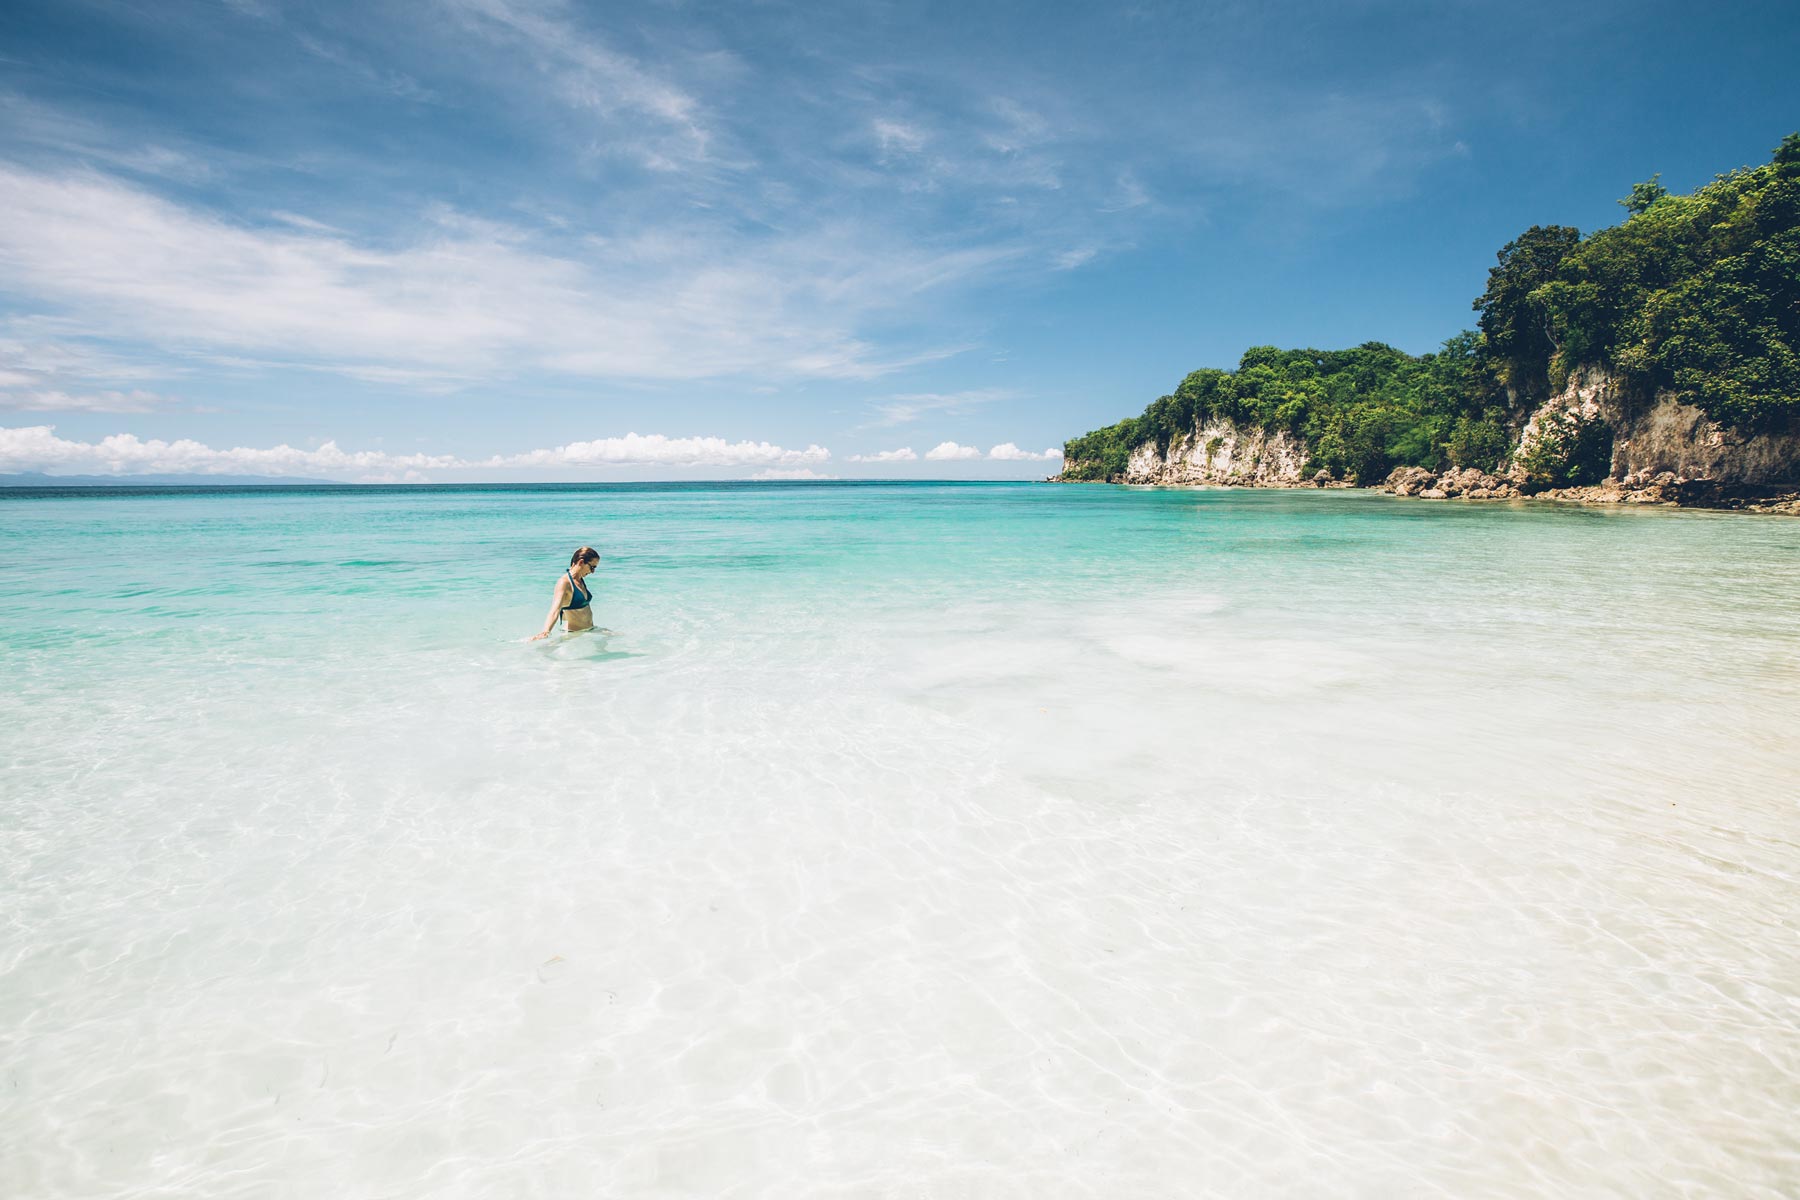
x: 1696, y: 294
x: 1644, y: 194
x: 1513, y: 319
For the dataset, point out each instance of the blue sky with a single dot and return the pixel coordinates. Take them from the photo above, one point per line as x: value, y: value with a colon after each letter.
x: 505, y: 239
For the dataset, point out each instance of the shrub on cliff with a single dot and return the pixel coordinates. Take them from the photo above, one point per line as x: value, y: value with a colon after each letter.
x: 1567, y: 451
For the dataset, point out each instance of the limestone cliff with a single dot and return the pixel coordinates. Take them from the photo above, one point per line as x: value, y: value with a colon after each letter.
x: 1223, y: 452
x: 1595, y: 441
x: 1598, y: 443
x: 1658, y: 435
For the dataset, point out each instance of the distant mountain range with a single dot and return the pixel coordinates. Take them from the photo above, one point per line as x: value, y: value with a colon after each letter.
x: 39, y: 479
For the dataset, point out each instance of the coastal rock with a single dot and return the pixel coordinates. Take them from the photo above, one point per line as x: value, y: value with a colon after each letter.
x: 1222, y: 452
x: 1465, y: 483
x: 1409, y: 481
x: 1788, y: 505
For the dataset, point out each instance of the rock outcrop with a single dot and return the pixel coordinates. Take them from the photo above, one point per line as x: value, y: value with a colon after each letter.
x: 1453, y: 484
x: 1659, y: 435
x: 1225, y: 453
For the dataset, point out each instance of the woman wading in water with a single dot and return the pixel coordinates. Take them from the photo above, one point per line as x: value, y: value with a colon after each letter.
x: 572, y: 595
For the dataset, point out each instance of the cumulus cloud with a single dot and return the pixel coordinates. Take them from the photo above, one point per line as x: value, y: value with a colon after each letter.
x: 1007, y: 452
x: 951, y: 452
x: 903, y: 454
x: 657, y: 450
x: 790, y: 473
x: 38, y: 448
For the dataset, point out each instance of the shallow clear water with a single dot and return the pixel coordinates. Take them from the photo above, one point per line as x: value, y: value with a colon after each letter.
x: 907, y: 840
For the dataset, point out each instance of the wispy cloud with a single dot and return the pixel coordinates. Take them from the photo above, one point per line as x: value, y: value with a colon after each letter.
x: 589, y: 75
x: 1129, y: 194
x: 395, y: 83
x: 42, y: 370
x: 1340, y: 149
x: 893, y: 135
x: 38, y: 128
x: 907, y: 407
x: 48, y: 354
x: 38, y: 448
x: 137, y: 401
x: 536, y: 193
x: 471, y: 299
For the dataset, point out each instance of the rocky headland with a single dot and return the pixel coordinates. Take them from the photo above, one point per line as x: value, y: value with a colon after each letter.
x: 1656, y: 361
x: 1652, y: 450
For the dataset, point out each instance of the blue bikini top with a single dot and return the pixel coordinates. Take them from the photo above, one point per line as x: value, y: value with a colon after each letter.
x: 578, y: 595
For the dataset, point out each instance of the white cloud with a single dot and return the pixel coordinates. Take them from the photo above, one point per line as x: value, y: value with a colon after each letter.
x: 45, y: 354
x: 657, y: 450
x: 588, y: 75
x: 394, y: 83
x: 1130, y: 194
x: 903, y: 454
x: 46, y: 128
x: 136, y: 401
x: 41, y: 373
x: 468, y: 299
x: 950, y: 452
x: 898, y: 135
x: 790, y: 473
x: 1007, y: 452
x: 910, y: 406
x: 37, y: 448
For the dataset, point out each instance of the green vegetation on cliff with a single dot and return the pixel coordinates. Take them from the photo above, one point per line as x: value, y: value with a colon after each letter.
x: 1698, y: 295
x: 1362, y: 411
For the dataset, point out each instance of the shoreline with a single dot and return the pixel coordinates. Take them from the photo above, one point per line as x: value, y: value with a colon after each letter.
x: 1419, y: 483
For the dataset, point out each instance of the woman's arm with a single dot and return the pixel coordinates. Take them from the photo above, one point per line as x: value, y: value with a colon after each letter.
x: 558, y: 602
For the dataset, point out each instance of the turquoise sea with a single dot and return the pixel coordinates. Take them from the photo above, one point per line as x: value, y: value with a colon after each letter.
x: 922, y: 840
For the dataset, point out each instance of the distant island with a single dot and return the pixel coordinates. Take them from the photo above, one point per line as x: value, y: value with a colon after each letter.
x: 1656, y: 361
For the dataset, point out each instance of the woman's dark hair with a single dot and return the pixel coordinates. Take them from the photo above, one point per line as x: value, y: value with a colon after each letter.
x: 586, y: 554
